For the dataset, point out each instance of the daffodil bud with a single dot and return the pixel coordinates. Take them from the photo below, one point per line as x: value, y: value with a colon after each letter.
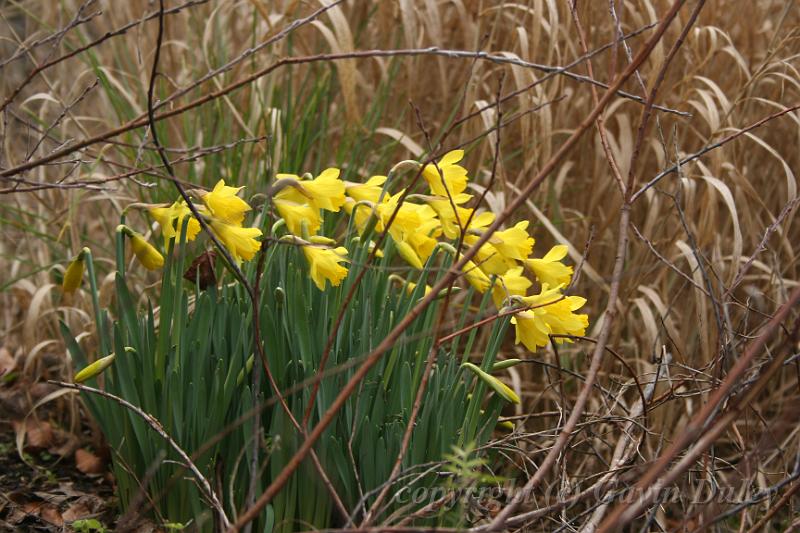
x: 508, y: 363
x: 145, y: 252
x: 498, y: 386
x: 507, y: 425
x: 74, y: 273
x: 248, y: 367
x: 94, y: 369
x: 321, y: 239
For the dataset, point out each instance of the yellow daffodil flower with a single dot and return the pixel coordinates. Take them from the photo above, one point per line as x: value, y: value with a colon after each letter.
x: 452, y: 220
x: 171, y: 220
x: 476, y: 277
x: 410, y: 286
x: 407, y: 219
x: 324, y: 265
x: 512, y: 283
x: 326, y: 191
x: 74, y: 273
x: 549, y: 270
x: 513, y: 243
x: 491, y: 261
x: 359, y: 212
x: 294, y: 214
x: 408, y: 253
x: 240, y: 242
x: 224, y: 205
x: 482, y: 220
x: 551, y: 314
x: 366, y: 192
x: 446, y: 178
x: 413, y: 230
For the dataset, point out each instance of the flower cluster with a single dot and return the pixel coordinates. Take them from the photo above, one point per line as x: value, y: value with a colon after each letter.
x: 416, y: 223
x: 220, y: 208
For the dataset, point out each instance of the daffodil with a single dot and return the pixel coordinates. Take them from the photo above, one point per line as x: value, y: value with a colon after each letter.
x: 224, y: 205
x: 360, y: 212
x: 512, y: 283
x: 453, y: 217
x: 446, y: 178
x: 171, y: 220
x: 295, y: 214
x: 74, y: 273
x: 324, y: 265
x: 411, y: 286
x: 482, y: 220
x: 408, y: 253
x: 550, y: 313
x: 476, y: 277
x: 414, y: 229
x: 145, y: 252
x: 366, y: 192
x: 549, y: 270
x: 407, y: 219
x: 490, y: 259
x: 240, y: 242
x: 513, y: 243
x: 326, y: 191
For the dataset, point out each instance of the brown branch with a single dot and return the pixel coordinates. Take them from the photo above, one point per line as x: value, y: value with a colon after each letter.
x: 359, y: 54
x: 625, y: 512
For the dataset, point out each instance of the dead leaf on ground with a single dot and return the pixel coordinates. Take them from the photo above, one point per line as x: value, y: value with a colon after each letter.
x: 40, y: 435
x: 88, y: 463
x: 85, y: 506
x: 33, y: 433
x: 41, y: 510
